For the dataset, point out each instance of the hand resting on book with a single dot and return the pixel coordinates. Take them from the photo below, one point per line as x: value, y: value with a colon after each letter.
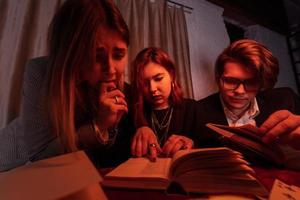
x: 144, y: 138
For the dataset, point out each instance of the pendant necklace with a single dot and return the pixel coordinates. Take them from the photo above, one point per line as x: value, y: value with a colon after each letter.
x: 161, y: 128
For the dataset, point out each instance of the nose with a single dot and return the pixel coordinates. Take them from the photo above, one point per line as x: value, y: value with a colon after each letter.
x: 240, y: 89
x: 108, y: 65
x: 152, y: 87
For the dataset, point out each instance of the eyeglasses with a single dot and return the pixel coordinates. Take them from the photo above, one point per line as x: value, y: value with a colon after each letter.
x: 250, y: 85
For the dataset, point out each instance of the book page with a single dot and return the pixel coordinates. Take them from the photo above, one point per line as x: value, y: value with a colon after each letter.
x: 142, y: 168
x: 203, y: 158
x: 139, y: 173
x: 214, y: 170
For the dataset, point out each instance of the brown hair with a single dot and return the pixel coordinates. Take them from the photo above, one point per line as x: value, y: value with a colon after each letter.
x: 158, y: 56
x: 251, y: 54
x: 72, y: 39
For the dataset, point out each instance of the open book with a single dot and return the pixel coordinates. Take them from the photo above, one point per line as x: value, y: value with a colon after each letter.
x: 207, y: 170
x: 247, y: 140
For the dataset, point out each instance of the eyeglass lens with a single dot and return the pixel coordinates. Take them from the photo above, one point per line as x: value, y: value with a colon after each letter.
x: 233, y: 83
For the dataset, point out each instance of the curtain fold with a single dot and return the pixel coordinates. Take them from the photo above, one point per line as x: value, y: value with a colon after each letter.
x: 156, y: 23
x: 23, y: 33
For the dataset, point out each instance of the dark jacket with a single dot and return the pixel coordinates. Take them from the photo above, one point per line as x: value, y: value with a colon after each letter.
x: 210, y: 110
x: 29, y: 136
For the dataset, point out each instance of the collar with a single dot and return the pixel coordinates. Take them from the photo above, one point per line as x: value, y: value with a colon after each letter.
x: 246, y: 118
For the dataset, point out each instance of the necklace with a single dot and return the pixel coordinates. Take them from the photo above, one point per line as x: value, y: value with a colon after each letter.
x: 161, y: 128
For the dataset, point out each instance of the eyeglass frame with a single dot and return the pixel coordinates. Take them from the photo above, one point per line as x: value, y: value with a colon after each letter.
x: 244, y: 82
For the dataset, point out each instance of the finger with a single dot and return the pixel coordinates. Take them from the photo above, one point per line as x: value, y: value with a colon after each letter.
x: 273, y: 120
x: 168, y: 147
x: 176, y: 147
x: 116, y: 108
x: 152, y: 153
x: 294, y: 139
x: 145, y: 144
x: 172, y: 140
x: 133, y: 146
x: 119, y: 101
x: 107, y: 87
x: 187, y: 143
x: 117, y: 93
x: 138, y: 148
x: 282, y: 129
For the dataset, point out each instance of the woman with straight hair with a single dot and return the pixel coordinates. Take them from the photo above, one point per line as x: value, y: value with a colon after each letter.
x: 75, y: 98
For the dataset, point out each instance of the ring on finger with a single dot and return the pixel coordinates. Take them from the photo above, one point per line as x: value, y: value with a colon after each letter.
x: 116, y: 99
x: 152, y: 145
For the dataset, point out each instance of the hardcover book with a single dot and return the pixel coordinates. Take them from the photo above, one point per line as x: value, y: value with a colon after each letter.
x: 208, y: 170
x: 247, y: 140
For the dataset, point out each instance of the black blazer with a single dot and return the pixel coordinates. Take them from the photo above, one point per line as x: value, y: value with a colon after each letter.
x: 210, y: 110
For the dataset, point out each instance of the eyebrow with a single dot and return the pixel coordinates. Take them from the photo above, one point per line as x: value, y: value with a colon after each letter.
x: 157, y: 75
x: 241, y: 79
x: 98, y: 49
x: 119, y: 49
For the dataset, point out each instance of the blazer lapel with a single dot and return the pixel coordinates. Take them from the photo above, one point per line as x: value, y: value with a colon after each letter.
x: 263, y: 110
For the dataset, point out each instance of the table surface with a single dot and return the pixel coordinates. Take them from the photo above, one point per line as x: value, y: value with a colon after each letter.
x: 265, y: 175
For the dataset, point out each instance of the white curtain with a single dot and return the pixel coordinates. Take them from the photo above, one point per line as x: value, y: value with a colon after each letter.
x: 23, y: 32
x: 157, y: 23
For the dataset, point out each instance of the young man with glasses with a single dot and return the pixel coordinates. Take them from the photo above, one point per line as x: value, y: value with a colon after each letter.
x: 246, y: 73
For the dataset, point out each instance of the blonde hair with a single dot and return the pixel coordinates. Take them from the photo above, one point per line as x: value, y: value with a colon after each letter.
x: 72, y: 40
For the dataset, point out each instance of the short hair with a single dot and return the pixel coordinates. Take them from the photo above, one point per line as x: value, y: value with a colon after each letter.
x: 72, y: 41
x: 158, y: 56
x: 251, y: 54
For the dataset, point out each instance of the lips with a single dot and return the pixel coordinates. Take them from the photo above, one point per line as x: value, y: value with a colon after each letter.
x: 107, y: 81
x: 157, y: 98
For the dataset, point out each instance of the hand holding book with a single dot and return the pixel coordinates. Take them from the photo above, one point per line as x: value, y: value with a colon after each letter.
x: 248, y: 140
x: 282, y: 126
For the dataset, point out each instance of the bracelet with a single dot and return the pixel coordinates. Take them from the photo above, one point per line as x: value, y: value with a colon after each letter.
x: 101, y: 134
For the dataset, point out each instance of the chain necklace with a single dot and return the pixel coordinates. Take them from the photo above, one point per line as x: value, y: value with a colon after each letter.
x: 161, y: 128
